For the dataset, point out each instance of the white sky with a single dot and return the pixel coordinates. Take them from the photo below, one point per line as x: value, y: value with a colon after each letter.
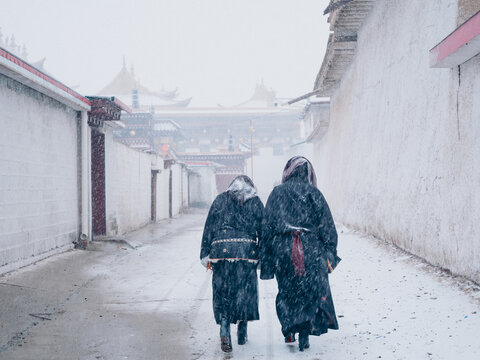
x: 213, y: 50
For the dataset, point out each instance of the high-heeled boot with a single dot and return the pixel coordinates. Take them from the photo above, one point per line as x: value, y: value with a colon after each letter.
x: 225, y: 339
x: 303, y: 340
x: 242, y: 332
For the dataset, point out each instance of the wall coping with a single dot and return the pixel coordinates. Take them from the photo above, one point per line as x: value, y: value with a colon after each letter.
x: 21, y: 71
x: 459, y: 46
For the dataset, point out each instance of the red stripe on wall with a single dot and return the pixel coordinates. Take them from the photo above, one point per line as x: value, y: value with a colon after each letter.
x: 12, y: 58
x: 461, y: 36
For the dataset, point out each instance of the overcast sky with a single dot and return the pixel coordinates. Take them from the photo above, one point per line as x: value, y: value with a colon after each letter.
x: 213, y: 50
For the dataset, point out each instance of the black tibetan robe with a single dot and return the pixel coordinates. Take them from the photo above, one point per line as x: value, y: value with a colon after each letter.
x: 303, y: 302
x: 230, y: 239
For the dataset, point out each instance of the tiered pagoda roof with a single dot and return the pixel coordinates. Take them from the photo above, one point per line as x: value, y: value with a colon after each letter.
x: 125, y: 83
x: 261, y: 98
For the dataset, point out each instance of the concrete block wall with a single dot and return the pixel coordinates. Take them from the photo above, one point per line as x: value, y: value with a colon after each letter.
x: 177, y: 189
x: 398, y: 160
x: 39, y: 175
x: 128, y: 187
x: 202, y: 186
x: 162, y: 194
x: 184, y: 188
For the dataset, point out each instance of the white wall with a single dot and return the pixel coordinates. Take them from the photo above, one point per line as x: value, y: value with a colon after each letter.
x: 396, y: 162
x: 177, y: 189
x: 128, y: 187
x: 162, y: 194
x: 39, y: 196
x: 184, y: 187
x: 202, y: 186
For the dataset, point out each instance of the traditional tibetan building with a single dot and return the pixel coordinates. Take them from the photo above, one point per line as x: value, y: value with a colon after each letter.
x: 253, y: 138
x: 128, y: 89
x: 216, y: 144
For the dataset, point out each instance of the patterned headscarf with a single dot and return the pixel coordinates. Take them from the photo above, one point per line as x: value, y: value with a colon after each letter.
x: 293, y: 164
x: 242, y: 189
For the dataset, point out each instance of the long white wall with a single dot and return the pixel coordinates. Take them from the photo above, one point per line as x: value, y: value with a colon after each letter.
x: 39, y: 196
x: 162, y: 194
x: 185, y: 194
x: 128, y: 177
x: 40, y: 171
x: 202, y: 186
x: 177, y: 189
x: 396, y: 161
x: 128, y: 187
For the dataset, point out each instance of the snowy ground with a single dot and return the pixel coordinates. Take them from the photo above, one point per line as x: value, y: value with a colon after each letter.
x: 154, y: 302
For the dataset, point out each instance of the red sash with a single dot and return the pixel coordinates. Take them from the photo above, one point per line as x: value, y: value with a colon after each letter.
x: 297, y: 255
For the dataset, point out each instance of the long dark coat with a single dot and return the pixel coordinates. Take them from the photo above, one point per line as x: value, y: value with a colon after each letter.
x: 303, y: 302
x: 234, y: 281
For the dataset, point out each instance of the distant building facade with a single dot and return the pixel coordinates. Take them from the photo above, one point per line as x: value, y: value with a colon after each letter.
x: 215, y: 144
x: 258, y: 130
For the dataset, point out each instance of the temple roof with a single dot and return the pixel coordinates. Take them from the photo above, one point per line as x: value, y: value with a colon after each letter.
x: 123, y: 84
x: 261, y: 98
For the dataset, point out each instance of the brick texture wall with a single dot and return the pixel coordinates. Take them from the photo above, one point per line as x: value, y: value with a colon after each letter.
x: 39, y: 196
x: 128, y: 187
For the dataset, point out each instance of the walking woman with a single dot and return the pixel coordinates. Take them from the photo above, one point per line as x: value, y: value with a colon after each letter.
x: 299, y: 247
x: 229, y: 244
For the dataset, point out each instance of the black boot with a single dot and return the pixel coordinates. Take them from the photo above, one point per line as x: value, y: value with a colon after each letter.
x: 290, y: 338
x: 225, y: 339
x: 242, y: 332
x: 303, y: 340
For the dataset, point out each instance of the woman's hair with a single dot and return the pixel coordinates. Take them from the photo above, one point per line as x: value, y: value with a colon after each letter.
x: 299, y: 166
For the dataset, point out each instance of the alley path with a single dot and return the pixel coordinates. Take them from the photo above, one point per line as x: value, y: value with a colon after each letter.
x: 154, y: 302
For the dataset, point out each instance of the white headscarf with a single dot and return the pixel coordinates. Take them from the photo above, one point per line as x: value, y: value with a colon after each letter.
x: 242, y: 188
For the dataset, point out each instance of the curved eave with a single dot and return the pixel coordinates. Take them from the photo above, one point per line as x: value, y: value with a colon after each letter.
x: 19, y: 70
x: 337, y: 58
x: 345, y: 23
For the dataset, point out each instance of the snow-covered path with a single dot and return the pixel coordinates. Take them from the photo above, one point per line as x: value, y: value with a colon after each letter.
x: 154, y: 302
x: 390, y: 306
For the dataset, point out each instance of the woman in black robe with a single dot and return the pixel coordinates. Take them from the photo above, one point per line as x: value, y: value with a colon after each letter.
x: 230, y: 245
x: 299, y: 247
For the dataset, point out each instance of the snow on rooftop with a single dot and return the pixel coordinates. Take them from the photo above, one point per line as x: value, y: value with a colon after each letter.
x: 166, y: 126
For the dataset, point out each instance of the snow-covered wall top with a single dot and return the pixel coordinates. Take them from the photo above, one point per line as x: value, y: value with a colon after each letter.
x: 16, y: 68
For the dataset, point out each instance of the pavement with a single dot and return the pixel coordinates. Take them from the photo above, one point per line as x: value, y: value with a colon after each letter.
x: 146, y: 296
